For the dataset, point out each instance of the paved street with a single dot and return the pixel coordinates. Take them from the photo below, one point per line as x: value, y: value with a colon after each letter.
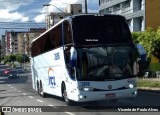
x: 19, y: 92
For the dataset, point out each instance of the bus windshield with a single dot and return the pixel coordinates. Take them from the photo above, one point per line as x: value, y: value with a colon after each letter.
x: 100, y: 30
x: 104, y: 63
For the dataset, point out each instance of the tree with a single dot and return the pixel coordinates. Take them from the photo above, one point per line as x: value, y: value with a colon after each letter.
x: 157, y: 48
x: 135, y: 36
x: 149, y: 41
x: 6, y: 59
x: 12, y: 57
x: 19, y: 58
x: 22, y: 58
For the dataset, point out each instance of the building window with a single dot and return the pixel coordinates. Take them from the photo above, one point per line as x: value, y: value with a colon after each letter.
x: 126, y: 4
x: 116, y: 7
x: 108, y: 10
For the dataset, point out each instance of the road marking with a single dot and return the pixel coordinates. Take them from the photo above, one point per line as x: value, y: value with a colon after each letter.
x: 11, y: 87
x: 30, y: 97
x: 19, y: 91
x: 24, y: 94
x: 40, y: 100
x: 55, y: 107
x: 50, y: 105
x: 69, y: 113
x: 150, y: 93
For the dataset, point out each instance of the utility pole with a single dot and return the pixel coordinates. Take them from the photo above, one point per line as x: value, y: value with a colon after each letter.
x: 86, y: 7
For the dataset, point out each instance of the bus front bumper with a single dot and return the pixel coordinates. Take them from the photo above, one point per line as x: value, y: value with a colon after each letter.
x: 84, y: 96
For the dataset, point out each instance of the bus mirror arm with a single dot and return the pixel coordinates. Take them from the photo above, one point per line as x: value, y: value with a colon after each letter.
x: 73, y: 57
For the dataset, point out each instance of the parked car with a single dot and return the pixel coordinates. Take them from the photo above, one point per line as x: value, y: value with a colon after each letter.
x: 19, y: 69
x: 13, y: 74
x: 6, y: 71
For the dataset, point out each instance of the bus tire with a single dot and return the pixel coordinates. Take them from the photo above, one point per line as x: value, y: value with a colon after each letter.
x: 38, y: 91
x: 64, y: 95
x: 41, y: 91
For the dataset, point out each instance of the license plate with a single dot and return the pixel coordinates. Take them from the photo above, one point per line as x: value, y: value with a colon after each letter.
x: 110, y: 95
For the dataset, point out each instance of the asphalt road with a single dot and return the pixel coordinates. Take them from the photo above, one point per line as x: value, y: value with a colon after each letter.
x: 19, y: 93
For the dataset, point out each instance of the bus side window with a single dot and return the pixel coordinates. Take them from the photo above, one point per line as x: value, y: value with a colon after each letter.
x: 52, y: 40
x: 67, y: 33
x: 58, y: 36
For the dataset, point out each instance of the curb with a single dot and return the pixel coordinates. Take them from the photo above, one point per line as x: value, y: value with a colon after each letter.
x: 148, y: 89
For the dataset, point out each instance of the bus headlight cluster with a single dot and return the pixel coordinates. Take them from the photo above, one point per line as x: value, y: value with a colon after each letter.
x: 130, y: 86
x: 86, y: 88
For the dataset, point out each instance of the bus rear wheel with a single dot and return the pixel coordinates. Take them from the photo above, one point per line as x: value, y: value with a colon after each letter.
x: 65, y: 96
x: 41, y: 91
x: 38, y: 90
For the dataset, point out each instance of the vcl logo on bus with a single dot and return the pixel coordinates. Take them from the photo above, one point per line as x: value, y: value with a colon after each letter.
x: 51, y: 78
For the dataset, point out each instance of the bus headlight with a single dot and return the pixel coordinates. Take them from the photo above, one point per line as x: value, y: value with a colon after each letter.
x: 86, y: 88
x: 130, y: 86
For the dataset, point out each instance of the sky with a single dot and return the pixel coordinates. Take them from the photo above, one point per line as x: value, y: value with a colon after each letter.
x: 24, y: 13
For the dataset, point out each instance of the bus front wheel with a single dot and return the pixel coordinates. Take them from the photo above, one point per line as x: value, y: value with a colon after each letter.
x: 65, y: 96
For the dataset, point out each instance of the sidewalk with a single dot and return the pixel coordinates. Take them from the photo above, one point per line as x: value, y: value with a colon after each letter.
x: 152, y: 90
x: 150, y: 79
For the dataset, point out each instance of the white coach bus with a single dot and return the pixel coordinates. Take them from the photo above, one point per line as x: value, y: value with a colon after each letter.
x: 85, y: 58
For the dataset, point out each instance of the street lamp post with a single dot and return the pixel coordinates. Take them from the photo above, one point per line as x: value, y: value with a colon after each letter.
x: 48, y: 25
x: 24, y: 43
x: 55, y: 7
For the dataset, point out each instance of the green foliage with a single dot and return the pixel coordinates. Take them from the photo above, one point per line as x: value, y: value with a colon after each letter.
x: 148, y: 83
x: 22, y: 58
x: 150, y: 40
x: 16, y: 57
x: 10, y: 58
x: 135, y: 36
x: 19, y: 58
x: 154, y: 66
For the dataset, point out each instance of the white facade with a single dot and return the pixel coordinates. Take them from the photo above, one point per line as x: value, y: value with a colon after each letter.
x: 52, y: 18
x: 133, y: 10
x: 74, y: 9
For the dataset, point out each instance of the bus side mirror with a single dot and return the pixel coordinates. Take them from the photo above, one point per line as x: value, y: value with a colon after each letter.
x: 73, y: 57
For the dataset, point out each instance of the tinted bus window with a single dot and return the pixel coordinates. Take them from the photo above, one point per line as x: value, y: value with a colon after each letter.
x: 67, y: 33
x: 100, y: 31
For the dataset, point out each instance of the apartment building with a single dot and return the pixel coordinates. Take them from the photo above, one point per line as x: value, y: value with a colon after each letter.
x: 25, y: 39
x: 53, y: 18
x: 140, y: 14
x: 20, y: 42
x: 11, y: 42
x: 3, y: 46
